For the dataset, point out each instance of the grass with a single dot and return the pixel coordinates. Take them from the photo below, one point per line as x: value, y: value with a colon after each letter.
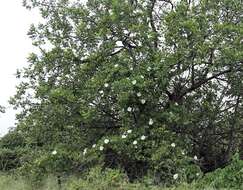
x: 12, y: 183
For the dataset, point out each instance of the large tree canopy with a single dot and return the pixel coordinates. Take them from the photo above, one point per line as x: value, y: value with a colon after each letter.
x: 106, y: 66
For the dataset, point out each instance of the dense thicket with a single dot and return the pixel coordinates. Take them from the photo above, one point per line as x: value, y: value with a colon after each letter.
x: 148, y: 86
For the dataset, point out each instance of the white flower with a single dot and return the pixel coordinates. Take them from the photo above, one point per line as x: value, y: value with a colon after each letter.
x: 101, y: 91
x: 175, y: 176
x: 139, y: 94
x: 143, y: 101
x: 151, y: 121
x: 69, y: 126
x: 144, y: 3
x: 135, y: 142
x: 94, y: 145
x: 195, y: 157
x: 134, y: 82
x: 173, y: 145
x: 54, y: 152
x: 101, y: 148
x: 143, y: 138
x: 129, y: 131
x: 116, y: 65
x: 110, y: 11
x: 85, y: 151
x: 142, y: 77
x: 131, y: 68
x: 129, y: 109
x: 124, y: 136
x: 126, y: 32
x: 182, y: 152
x: 106, y: 141
x: 149, y: 69
x: 106, y: 85
x: 197, y: 174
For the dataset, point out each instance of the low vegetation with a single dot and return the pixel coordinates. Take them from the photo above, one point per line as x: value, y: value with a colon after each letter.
x: 230, y: 177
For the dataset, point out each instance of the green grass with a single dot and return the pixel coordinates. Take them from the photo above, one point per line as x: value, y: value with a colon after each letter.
x: 230, y: 178
x: 12, y: 183
x: 7, y: 183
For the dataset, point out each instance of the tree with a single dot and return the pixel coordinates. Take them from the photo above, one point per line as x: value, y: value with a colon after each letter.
x: 109, y: 65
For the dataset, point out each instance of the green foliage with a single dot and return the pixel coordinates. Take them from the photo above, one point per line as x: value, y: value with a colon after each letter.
x: 13, y: 182
x: 101, y: 180
x: 98, y: 179
x: 139, y: 155
x: 10, y: 159
x: 170, y: 71
x: 172, y: 166
x: 58, y: 162
x: 12, y: 149
x: 13, y: 140
x: 9, y: 183
x: 230, y: 177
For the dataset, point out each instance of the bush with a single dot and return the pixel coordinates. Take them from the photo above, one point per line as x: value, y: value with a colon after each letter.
x: 44, y: 162
x: 139, y: 153
x: 10, y: 159
x: 230, y: 177
x: 12, y: 140
x: 112, y: 179
x: 12, y: 148
x: 171, y: 165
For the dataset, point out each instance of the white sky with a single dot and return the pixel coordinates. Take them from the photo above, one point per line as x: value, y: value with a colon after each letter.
x: 14, y: 48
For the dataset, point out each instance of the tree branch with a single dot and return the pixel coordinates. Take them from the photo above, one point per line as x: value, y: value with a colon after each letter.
x: 202, y: 82
x: 151, y: 8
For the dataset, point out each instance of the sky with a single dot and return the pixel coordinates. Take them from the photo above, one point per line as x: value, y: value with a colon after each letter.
x: 15, y: 46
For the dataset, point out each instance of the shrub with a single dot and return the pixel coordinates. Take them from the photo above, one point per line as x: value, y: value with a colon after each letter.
x: 230, y: 177
x: 58, y: 161
x: 103, y: 179
x: 171, y: 165
x: 10, y: 158
x: 157, y: 153
x: 13, y: 139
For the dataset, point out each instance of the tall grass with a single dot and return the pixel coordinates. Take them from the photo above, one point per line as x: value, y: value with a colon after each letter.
x: 8, y: 182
